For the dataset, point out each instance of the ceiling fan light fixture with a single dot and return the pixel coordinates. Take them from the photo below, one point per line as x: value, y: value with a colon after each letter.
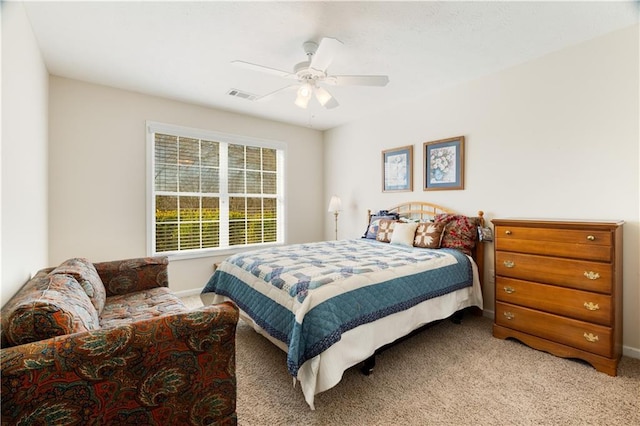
x: 312, y: 72
x: 323, y: 96
x: 304, y: 95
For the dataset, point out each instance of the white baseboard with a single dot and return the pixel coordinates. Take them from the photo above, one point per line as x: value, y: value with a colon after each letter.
x: 631, y: 352
x: 626, y: 350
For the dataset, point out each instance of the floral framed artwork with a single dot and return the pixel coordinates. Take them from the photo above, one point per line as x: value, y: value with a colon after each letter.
x: 444, y: 164
x: 397, y: 169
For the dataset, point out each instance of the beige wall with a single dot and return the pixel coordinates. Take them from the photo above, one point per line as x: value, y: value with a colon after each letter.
x: 556, y: 137
x: 23, y: 165
x: 97, y: 190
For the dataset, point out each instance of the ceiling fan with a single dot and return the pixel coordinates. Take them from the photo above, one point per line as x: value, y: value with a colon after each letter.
x: 312, y: 74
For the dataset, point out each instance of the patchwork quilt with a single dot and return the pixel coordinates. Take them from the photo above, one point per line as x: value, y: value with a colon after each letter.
x: 307, y: 295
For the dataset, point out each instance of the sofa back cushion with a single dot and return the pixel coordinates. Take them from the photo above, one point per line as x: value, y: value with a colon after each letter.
x: 48, y: 305
x: 86, y: 275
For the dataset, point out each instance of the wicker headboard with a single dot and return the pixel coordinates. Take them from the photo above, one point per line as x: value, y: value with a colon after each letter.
x: 424, y: 211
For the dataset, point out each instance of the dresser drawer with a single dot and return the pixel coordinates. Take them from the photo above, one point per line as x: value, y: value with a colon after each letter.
x: 577, y: 244
x: 582, y: 305
x: 578, y: 334
x: 582, y: 275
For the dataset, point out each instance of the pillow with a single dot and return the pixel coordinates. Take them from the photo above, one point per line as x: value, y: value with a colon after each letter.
x: 429, y: 235
x: 403, y: 234
x: 385, y: 230
x: 408, y: 220
x: 460, y: 232
x: 49, y: 306
x: 85, y: 273
x: 374, y: 223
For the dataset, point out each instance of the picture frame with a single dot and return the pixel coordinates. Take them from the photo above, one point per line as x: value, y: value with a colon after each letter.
x: 444, y: 164
x: 397, y: 169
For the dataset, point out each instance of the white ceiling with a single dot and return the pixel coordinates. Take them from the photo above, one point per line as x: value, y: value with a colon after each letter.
x: 183, y: 50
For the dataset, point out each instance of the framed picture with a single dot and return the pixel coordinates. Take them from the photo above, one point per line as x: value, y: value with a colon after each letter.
x: 397, y: 169
x: 444, y: 164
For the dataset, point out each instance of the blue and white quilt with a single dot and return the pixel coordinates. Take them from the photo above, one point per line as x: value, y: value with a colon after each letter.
x: 307, y: 295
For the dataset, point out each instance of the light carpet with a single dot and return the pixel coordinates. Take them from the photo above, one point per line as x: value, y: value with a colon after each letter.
x: 446, y: 375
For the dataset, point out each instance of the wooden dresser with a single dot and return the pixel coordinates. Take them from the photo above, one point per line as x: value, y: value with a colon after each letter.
x: 559, y: 287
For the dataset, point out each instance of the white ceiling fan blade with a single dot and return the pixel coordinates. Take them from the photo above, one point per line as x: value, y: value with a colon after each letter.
x: 263, y: 69
x: 324, y: 55
x: 268, y: 95
x: 357, y: 80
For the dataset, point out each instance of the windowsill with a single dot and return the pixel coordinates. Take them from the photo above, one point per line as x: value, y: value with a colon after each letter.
x: 226, y: 252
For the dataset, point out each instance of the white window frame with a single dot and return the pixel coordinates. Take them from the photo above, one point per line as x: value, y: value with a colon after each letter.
x: 156, y: 127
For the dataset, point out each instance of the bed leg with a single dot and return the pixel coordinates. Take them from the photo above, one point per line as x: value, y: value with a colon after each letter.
x: 456, y: 318
x: 367, y: 365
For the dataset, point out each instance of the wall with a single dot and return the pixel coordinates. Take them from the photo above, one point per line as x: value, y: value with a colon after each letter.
x: 23, y: 164
x: 97, y: 187
x: 556, y: 138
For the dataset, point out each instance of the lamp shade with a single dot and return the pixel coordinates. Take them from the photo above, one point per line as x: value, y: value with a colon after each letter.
x: 335, y: 205
x: 304, y: 95
x: 323, y: 96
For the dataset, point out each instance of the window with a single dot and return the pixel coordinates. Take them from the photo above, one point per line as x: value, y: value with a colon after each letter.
x: 211, y: 191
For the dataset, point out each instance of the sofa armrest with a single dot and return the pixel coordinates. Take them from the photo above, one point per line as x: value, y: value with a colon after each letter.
x: 175, y: 369
x: 129, y: 275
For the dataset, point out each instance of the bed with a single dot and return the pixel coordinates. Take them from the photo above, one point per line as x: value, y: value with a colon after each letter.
x: 331, y: 305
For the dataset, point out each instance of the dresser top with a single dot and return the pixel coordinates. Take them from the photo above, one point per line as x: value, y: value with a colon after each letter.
x: 548, y: 222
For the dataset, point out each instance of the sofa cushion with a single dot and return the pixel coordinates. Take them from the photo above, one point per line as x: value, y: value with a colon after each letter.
x: 140, y: 305
x: 48, y: 305
x: 130, y: 275
x: 85, y: 273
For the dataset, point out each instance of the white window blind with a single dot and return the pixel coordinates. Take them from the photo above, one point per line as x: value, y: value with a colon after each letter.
x: 212, y: 191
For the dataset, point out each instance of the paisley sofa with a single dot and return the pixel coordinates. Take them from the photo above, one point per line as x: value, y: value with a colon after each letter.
x: 109, y: 344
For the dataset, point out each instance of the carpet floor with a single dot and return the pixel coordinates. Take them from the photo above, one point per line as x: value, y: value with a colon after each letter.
x: 447, y: 374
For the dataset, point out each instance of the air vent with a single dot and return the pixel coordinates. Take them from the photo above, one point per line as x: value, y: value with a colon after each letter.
x: 240, y: 94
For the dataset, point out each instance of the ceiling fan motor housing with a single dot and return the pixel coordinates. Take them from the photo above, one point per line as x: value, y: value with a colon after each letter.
x: 304, y: 73
x: 303, y: 70
x: 310, y: 48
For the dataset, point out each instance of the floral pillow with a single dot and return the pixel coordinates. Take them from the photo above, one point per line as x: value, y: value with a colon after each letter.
x: 460, y: 232
x: 429, y: 235
x: 385, y: 230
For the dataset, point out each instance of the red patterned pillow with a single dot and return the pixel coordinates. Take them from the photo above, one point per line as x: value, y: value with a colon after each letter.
x: 429, y: 235
x: 460, y: 232
x: 385, y: 230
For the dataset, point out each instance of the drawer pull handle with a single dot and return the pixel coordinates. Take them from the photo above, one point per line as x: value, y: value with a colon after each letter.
x: 511, y: 264
x: 590, y: 337
x: 509, y: 315
x: 591, y: 275
x: 509, y: 290
x: 507, y: 232
x: 591, y: 238
x: 591, y: 306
